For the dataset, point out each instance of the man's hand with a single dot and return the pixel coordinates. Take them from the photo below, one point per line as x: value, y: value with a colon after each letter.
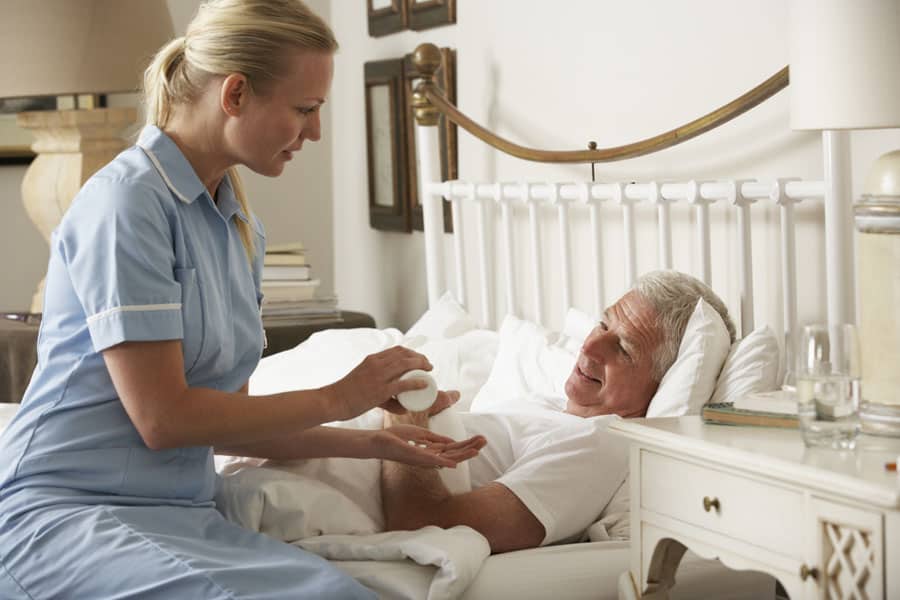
x: 419, y: 447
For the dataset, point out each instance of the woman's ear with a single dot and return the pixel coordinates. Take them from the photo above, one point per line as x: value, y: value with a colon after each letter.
x: 234, y: 92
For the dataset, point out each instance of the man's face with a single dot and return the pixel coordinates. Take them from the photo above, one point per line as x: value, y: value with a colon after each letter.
x: 613, y: 373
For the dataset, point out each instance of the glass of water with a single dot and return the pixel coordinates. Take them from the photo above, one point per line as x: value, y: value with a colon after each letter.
x: 828, y: 388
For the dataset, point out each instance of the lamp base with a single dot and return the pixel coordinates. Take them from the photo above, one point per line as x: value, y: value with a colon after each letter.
x: 71, y: 145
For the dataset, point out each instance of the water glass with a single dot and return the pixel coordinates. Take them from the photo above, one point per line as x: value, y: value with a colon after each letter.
x: 828, y: 386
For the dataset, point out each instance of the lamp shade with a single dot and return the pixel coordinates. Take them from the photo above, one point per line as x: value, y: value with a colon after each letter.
x: 845, y: 64
x: 58, y: 47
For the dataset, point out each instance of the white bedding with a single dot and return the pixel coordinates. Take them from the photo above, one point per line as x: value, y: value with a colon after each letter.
x: 431, y: 563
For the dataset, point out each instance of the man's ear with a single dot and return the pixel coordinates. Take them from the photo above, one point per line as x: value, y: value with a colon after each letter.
x: 233, y: 94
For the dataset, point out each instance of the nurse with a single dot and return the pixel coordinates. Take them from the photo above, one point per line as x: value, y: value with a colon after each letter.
x: 151, y: 330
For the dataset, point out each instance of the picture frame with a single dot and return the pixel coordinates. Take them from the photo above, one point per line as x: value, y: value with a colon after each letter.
x: 386, y: 145
x: 386, y: 16
x: 445, y: 79
x: 15, y: 142
x: 425, y: 14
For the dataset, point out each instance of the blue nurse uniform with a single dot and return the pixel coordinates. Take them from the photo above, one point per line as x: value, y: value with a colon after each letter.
x: 86, y: 509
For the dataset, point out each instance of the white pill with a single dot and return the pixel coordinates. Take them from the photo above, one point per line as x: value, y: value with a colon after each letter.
x: 418, y: 400
x: 411, y: 442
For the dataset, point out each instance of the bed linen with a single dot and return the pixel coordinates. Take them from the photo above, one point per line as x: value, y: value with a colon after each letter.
x: 573, y: 571
x: 587, y: 571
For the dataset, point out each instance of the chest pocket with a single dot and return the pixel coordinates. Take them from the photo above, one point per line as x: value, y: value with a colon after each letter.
x: 192, y: 316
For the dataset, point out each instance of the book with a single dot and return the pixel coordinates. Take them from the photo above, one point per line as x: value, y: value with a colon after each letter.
x: 303, y: 320
x: 286, y: 248
x: 724, y: 413
x: 298, y: 258
x: 296, y: 308
x: 779, y: 401
x: 281, y: 272
x: 289, y: 290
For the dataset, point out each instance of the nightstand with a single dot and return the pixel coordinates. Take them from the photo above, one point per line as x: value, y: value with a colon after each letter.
x: 825, y: 523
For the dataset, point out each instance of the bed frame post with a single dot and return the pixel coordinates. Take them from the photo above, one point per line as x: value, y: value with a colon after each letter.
x: 427, y: 59
x: 839, y: 269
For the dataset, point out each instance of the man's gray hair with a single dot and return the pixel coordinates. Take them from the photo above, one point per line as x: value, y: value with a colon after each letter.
x: 674, y: 295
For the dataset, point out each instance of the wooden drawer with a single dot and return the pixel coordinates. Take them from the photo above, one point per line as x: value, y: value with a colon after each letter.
x: 758, y: 513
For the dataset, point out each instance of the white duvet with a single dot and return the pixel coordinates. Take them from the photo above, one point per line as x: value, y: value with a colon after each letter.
x: 332, y: 507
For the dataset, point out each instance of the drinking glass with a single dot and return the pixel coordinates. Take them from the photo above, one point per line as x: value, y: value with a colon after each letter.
x: 828, y: 386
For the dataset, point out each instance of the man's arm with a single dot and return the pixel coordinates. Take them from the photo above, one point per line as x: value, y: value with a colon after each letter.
x: 414, y: 497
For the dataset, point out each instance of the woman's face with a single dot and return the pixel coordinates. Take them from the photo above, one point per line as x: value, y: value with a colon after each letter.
x: 274, y: 123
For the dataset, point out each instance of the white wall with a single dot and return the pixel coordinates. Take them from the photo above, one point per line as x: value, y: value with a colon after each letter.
x: 295, y: 206
x: 558, y: 74
x: 548, y: 74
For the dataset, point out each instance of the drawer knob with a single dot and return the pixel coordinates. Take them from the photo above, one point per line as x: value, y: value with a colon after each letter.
x: 807, y: 572
x: 710, y: 503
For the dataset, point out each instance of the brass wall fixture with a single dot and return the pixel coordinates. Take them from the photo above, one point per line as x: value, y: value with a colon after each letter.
x: 723, y: 114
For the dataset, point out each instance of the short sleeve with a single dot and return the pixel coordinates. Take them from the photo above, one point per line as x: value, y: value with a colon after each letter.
x: 116, y: 241
x: 567, y: 475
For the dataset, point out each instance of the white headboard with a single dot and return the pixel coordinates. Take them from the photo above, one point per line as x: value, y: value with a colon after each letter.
x: 494, y: 278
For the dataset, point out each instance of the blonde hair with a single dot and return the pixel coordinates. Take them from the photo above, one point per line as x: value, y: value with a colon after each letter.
x: 250, y: 37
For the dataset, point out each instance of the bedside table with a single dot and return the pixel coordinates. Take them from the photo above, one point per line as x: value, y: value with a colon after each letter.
x: 825, y: 523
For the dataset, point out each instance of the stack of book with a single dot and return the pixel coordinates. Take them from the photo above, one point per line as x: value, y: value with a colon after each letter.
x: 289, y: 289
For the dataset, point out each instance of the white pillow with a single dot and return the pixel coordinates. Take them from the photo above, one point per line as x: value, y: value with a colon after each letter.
x: 751, y: 367
x: 446, y: 319
x: 689, y: 382
x: 461, y: 362
x: 532, y: 365
x: 578, y: 325
x: 323, y: 358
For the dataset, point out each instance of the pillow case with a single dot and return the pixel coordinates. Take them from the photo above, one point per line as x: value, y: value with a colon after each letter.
x: 446, y: 319
x: 530, y: 370
x: 751, y: 367
x: 461, y: 355
x: 690, y: 381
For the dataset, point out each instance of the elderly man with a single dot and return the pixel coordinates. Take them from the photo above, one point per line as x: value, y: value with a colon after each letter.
x: 545, y: 479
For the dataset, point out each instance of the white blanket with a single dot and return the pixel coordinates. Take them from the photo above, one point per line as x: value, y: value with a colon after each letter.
x: 332, y: 507
x: 457, y: 553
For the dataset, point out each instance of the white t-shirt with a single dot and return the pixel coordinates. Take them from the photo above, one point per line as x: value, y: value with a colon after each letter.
x: 564, y: 468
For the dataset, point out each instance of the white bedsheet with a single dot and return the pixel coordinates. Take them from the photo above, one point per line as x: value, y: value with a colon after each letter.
x: 457, y: 553
x: 332, y: 507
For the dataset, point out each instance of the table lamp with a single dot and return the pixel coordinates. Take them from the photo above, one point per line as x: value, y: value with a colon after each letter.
x: 845, y: 74
x: 74, y: 47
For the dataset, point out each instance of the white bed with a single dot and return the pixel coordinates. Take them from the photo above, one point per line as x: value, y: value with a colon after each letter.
x: 496, y: 261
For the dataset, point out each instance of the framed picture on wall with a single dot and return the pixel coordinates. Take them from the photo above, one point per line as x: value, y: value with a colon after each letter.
x: 445, y: 78
x: 386, y: 16
x: 386, y: 145
x: 425, y: 14
x: 15, y: 142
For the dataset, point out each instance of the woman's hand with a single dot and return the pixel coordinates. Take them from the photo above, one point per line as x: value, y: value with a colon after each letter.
x: 422, y: 448
x: 376, y: 381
